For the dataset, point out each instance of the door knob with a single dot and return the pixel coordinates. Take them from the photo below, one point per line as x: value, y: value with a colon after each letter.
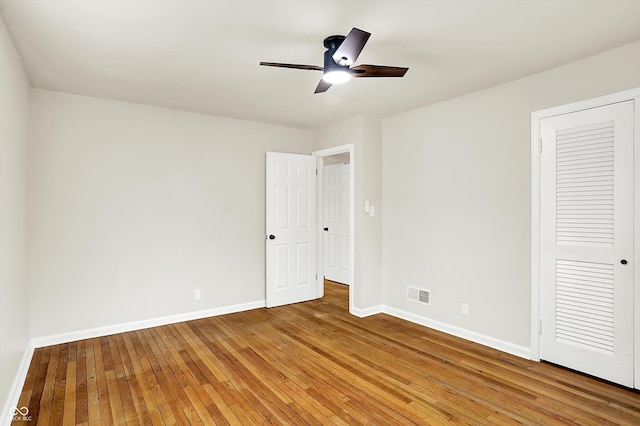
x: 326, y: 229
x: 623, y: 261
x: 272, y: 237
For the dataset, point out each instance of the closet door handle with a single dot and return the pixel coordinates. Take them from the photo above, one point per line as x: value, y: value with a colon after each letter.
x: 623, y: 261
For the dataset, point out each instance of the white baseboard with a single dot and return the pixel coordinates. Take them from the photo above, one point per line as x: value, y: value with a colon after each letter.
x: 361, y: 313
x: 57, y: 339
x: 491, y: 342
x: 16, y: 386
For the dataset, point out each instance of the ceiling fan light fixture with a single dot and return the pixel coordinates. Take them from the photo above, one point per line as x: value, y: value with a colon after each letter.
x: 336, y: 76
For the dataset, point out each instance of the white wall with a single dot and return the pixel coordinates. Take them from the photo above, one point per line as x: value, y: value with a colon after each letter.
x: 366, y: 135
x: 14, y: 112
x: 369, y: 188
x: 456, y: 185
x: 132, y: 208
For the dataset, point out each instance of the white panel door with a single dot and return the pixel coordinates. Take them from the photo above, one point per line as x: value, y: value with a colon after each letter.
x: 291, y: 228
x: 586, y: 241
x: 336, y: 223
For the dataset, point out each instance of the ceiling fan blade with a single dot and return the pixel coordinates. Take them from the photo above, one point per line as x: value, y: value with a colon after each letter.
x: 295, y: 66
x: 377, y: 71
x: 323, y: 86
x: 350, y: 48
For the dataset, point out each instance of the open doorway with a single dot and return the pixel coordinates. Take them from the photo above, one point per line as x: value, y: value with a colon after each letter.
x: 336, y: 216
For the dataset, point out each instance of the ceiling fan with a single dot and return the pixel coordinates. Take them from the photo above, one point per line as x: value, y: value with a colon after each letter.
x: 341, y: 53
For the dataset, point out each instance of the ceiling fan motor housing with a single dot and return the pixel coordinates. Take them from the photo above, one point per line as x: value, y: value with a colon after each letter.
x: 330, y: 65
x: 332, y: 43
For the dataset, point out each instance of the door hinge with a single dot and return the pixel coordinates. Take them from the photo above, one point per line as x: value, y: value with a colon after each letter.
x: 316, y: 172
x: 539, y: 325
x: 540, y: 146
x: 316, y: 277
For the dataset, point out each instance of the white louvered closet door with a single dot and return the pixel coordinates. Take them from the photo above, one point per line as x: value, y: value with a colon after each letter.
x: 586, y: 235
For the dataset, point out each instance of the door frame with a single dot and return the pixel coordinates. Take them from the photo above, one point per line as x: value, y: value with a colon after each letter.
x: 536, y: 118
x: 341, y: 149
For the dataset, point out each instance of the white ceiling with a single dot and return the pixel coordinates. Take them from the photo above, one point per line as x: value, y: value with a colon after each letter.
x: 203, y: 56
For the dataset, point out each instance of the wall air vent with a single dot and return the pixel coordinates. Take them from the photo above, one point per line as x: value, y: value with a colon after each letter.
x: 419, y: 295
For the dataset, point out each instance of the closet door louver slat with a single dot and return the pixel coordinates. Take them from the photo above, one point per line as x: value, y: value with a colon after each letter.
x: 584, y: 185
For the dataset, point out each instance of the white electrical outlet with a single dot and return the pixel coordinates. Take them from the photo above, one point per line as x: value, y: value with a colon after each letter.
x: 197, y: 295
x: 465, y: 309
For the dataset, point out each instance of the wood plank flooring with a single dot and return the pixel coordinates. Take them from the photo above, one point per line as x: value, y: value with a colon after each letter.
x: 308, y: 363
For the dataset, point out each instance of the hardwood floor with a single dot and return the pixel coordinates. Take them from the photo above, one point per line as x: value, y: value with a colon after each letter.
x: 308, y: 363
